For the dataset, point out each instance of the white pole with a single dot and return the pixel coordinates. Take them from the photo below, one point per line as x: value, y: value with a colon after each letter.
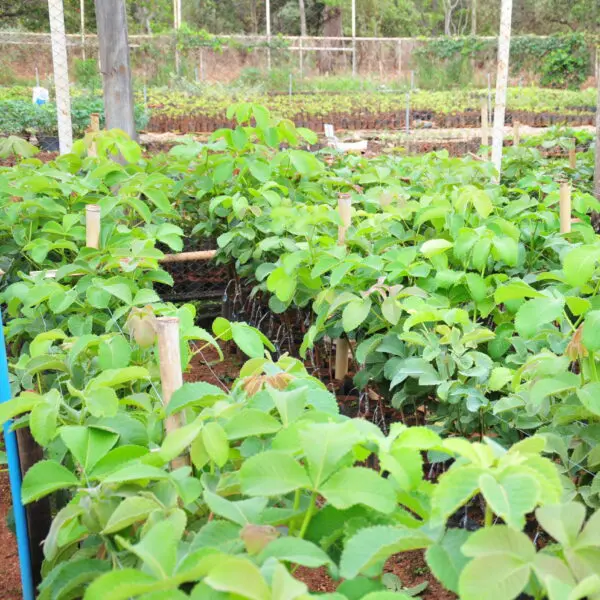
x: 92, y: 226
x: 501, y: 84
x: 353, y: 37
x: 82, y: 14
x: 565, y: 207
x: 268, y: 18
x: 176, y: 26
x: 61, y: 75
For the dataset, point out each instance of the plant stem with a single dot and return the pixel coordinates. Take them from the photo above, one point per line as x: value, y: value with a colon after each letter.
x: 489, y: 516
x: 309, y: 514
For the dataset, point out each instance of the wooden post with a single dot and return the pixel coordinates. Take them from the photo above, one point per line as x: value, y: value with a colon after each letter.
x: 301, y: 57
x: 565, y: 207
x: 82, y: 26
x: 516, y: 133
x: 111, y: 19
x: 399, y: 58
x: 342, y: 348
x: 573, y: 155
x: 94, y: 128
x: 501, y: 84
x: 92, y: 226
x: 344, y: 204
x: 485, y: 128
x: 167, y: 329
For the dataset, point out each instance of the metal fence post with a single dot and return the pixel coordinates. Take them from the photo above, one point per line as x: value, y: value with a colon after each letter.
x: 14, y: 473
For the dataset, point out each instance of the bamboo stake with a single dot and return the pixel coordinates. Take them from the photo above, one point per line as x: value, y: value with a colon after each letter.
x: 342, y: 348
x: 341, y: 344
x: 573, y: 155
x: 485, y: 127
x: 516, y: 133
x: 188, y: 256
x: 94, y: 128
x: 344, y: 203
x: 167, y: 329
x: 565, y: 207
x: 92, y: 226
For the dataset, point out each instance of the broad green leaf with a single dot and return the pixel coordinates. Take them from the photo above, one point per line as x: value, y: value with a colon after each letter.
x: 501, y: 564
x: 122, y: 585
x: 589, y: 396
x: 579, y: 264
x: 591, y: 331
x: 455, y: 488
x: 562, y: 521
x: 88, y: 445
x: 511, y: 496
x: 324, y: 445
x: 215, y: 443
x: 69, y: 579
x: 200, y: 394
x: 446, y: 560
x: 295, y: 550
x: 290, y: 404
x: 285, y: 586
x: 537, y: 312
x: 355, y: 312
x: 43, y: 418
x: 250, y: 422
x: 282, y: 284
x: 242, y: 512
x: 45, y: 477
x: 366, y: 551
x: 247, y: 583
x: 178, y: 440
x: 432, y: 247
x: 136, y: 472
x: 515, y: 290
x: 359, y: 485
x: 101, y: 402
x: 272, y: 473
x: 248, y: 340
x: 131, y: 510
x: 22, y: 404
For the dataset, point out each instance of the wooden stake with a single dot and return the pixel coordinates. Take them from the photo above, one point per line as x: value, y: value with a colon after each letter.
x: 92, y: 226
x: 573, y: 155
x: 188, y: 256
x: 342, y: 349
x: 516, y: 133
x: 344, y: 204
x: 485, y: 127
x: 94, y: 128
x: 565, y: 207
x: 167, y: 329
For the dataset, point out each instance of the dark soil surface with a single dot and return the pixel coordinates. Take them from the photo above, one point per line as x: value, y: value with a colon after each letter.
x: 10, y: 578
x: 409, y: 567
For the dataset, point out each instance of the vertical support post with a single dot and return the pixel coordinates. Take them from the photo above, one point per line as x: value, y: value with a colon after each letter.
x: 573, y: 155
x: 116, y: 72
x: 14, y: 474
x: 92, y: 226
x: 399, y: 58
x: 341, y: 344
x: 565, y: 207
x: 94, y: 128
x: 489, y: 97
x: 353, y: 37
x: 516, y: 133
x: 61, y: 75
x: 167, y: 329
x: 501, y: 84
x: 344, y: 204
x: 82, y: 25
x: 301, y: 57
x: 268, y: 19
x: 407, y: 116
x: 485, y: 124
x: 412, y: 81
